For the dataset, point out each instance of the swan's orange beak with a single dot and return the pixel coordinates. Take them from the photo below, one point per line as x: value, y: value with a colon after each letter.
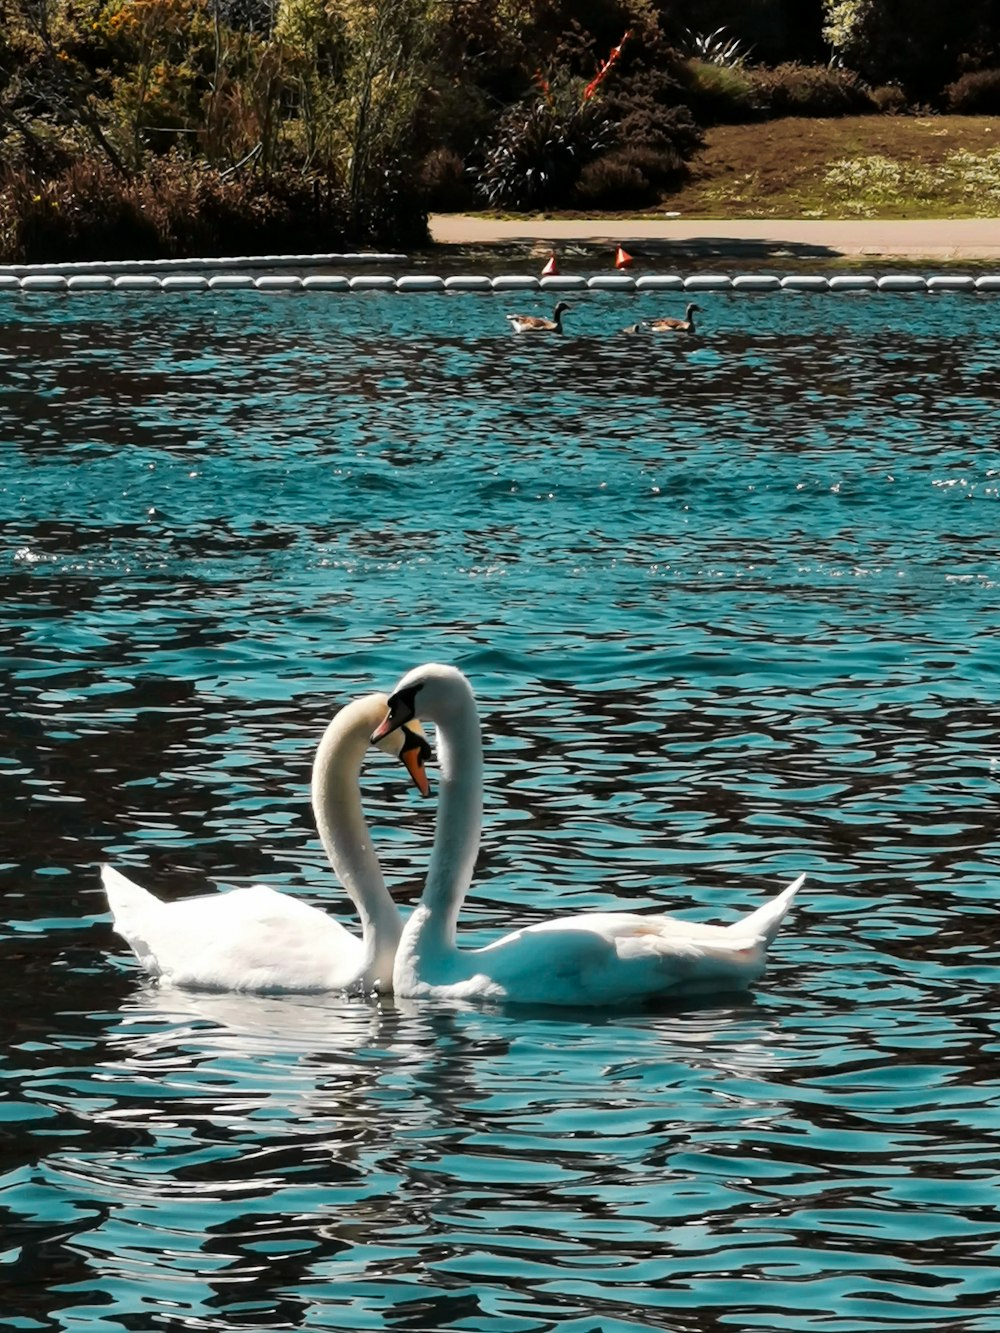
x: 413, y: 757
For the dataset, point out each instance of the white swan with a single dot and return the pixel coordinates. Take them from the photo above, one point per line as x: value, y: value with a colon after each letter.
x: 600, y: 958
x: 257, y: 939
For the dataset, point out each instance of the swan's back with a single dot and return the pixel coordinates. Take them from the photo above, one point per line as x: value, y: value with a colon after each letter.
x: 252, y: 939
x: 613, y: 958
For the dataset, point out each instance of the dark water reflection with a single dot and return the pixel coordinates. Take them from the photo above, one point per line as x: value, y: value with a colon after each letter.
x: 730, y: 608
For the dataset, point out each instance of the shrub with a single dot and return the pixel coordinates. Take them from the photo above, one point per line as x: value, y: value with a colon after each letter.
x: 714, y: 48
x: 810, y: 90
x: 445, y: 182
x: 174, y: 208
x: 540, y: 149
x: 718, y: 94
x: 889, y: 99
x: 633, y: 175
x: 614, y: 182
x: 975, y: 94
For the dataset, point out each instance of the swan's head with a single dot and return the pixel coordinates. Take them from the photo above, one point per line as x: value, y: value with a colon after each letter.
x: 434, y: 690
x: 409, y: 744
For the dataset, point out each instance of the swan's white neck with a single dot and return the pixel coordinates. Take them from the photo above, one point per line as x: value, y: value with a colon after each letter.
x: 340, y: 821
x: 456, y: 837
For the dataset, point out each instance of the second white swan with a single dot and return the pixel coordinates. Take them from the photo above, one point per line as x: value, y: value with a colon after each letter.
x: 257, y: 939
x: 598, y: 958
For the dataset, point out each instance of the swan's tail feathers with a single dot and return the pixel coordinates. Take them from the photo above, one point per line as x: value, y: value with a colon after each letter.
x: 135, y: 911
x: 764, y: 923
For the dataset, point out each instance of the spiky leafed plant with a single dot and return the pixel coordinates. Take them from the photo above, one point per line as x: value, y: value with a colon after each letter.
x: 714, y: 48
x: 541, y: 146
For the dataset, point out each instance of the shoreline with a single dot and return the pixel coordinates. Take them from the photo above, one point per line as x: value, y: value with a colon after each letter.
x: 937, y: 240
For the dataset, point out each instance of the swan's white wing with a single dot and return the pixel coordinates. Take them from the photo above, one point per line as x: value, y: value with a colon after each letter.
x: 612, y: 958
x: 252, y: 939
x: 615, y: 957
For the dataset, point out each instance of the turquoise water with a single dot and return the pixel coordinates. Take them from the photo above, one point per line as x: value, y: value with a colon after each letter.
x: 731, y: 610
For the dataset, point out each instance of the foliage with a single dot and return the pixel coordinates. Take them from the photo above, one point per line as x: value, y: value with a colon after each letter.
x: 771, y: 31
x: 975, y: 94
x: 634, y: 176
x: 172, y: 209
x: 713, y: 48
x: 541, y: 146
x: 921, y: 45
x: 445, y: 182
x: 810, y: 90
x: 890, y: 99
x: 861, y: 186
x: 719, y: 94
x: 353, y: 115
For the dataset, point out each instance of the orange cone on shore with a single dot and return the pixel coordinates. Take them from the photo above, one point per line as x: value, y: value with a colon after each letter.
x: 551, y: 269
x: 622, y: 257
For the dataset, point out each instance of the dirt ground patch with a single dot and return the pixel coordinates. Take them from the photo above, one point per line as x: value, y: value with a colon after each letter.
x: 861, y: 166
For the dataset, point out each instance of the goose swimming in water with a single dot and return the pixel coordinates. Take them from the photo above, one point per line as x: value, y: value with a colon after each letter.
x: 538, y: 323
x: 592, y: 959
x: 668, y: 324
x: 257, y: 939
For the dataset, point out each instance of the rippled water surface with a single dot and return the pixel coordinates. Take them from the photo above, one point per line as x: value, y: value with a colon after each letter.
x: 731, y: 608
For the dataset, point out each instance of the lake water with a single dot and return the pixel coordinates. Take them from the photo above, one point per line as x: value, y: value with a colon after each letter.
x: 731, y: 609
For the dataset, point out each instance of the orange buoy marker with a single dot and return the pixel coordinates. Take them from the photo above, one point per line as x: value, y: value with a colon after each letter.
x: 622, y: 258
x: 551, y: 269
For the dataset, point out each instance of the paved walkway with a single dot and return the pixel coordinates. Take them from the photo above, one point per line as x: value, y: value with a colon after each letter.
x: 974, y: 239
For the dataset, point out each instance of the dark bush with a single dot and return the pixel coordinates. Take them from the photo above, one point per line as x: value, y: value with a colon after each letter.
x: 810, y: 90
x: 633, y: 176
x: 890, y: 99
x: 540, y: 149
x: 445, y: 182
x: 176, y: 208
x: 975, y: 94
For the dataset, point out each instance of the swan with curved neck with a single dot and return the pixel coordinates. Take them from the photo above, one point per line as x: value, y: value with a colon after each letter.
x: 257, y: 939
x: 597, y: 958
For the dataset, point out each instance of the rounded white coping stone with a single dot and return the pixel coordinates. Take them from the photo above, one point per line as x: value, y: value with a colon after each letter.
x: 516, y: 282
x: 611, y: 282
x: 138, y: 282
x: 326, y: 282
x: 43, y: 282
x: 230, y: 282
x: 90, y: 282
x: 902, y: 282
x: 562, y: 282
x: 708, y: 282
x: 419, y: 282
x: 184, y: 282
x: 659, y: 282
x: 805, y: 282
x: 756, y: 282
x: 219, y: 263
x: 951, y: 282
x: 287, y: 282
x: 8, y: 283
x: 989, y: 282
x: 373, y: 282
x: 853, y: 282
x: 468, y: 282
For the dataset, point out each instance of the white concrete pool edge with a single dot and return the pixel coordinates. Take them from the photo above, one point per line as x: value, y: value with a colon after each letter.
x: 238, y: 275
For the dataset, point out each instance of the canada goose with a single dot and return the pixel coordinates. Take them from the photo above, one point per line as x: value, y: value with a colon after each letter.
x: 670, y: 325
x: 538, y: 323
